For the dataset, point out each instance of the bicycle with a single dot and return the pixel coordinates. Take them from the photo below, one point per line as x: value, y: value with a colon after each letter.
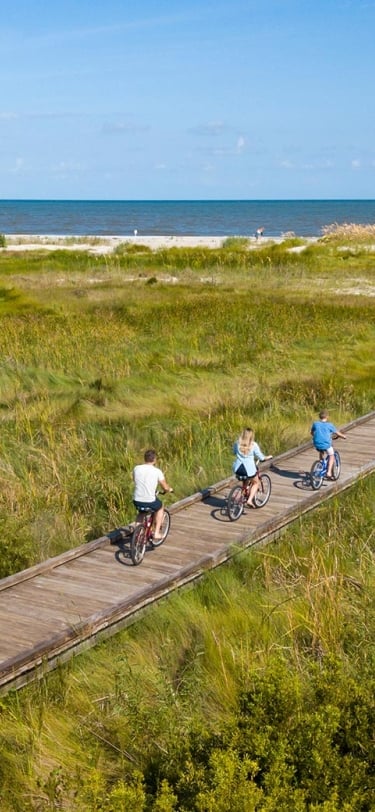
x: 319, y: 469
x: 239, y: 494
x: 143, y: 533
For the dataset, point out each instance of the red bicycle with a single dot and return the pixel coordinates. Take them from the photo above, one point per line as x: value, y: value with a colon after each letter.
x: 239, y: 494
x: 143, y: 534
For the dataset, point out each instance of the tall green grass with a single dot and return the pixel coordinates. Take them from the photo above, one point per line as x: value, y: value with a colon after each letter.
x: 96, y: 367
x: 256, y: 687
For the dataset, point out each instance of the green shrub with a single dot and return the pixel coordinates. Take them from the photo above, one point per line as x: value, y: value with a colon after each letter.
x: 131, y: 248
x: 236, y: 243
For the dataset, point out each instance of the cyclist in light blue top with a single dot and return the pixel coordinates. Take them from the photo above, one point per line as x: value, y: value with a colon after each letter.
x: 247, y: 451
x: 321, y: 432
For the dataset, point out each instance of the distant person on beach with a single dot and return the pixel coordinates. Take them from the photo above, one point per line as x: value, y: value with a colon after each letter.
x: 135, y: 232
x: 259, y: 232
x: 321, y: 432
x: 246, y: 451
x: 147, y: 478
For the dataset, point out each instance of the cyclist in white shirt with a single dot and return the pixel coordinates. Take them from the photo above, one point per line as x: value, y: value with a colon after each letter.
x: 147, y: 478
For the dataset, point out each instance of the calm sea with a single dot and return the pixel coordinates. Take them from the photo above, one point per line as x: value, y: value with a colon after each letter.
x: 305, y: 218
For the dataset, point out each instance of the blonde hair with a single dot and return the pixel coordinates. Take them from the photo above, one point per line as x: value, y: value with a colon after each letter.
x: 245, y: 441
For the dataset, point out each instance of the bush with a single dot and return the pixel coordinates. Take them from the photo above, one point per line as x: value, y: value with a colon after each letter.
x: 236, y: 243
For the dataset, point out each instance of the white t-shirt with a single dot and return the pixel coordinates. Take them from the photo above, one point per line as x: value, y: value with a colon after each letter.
x: 146, y: 479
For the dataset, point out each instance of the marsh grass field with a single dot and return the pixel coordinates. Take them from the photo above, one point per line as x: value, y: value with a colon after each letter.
x: 254, y: 690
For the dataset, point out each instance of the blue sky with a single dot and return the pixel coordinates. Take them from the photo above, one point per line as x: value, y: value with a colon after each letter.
x: 199, y: 100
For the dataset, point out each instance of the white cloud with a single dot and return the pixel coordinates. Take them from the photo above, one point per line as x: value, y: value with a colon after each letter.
x: 66, y: 168
x: 241, y: 142
x: 123, y: 128
x: 60, y: 34
x: 222, y: 151
x: 19, y: 166
x: 325, y: 164
x: 311, y: 166
x: 212, y: 128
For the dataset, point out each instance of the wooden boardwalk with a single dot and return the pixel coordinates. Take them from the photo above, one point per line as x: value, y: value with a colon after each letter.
x: 64, y: 605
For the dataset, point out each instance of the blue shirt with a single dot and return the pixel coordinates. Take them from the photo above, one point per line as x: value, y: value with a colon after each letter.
x: 322, y: 434
x: 247, y: 460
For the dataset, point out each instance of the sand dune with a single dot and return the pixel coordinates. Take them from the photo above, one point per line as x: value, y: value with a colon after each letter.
x: 106, y: 244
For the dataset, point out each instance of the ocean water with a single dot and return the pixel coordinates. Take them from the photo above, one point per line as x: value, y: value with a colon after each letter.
x: 306, y: 218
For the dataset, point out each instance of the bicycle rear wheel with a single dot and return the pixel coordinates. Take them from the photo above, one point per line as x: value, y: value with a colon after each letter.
x: 264, y: 490
x: 336, y: 466
x: 235, y: 503
x: 138, y: 544
x: 316, y: 474
x: 165, y: 525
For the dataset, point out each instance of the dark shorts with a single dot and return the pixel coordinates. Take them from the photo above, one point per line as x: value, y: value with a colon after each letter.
x: 153, y: 506
x: 242, y: 474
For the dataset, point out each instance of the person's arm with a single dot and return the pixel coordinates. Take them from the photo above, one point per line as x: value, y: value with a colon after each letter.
x: 336, y: 432
x: 259, y: 454
x: 164, y: 484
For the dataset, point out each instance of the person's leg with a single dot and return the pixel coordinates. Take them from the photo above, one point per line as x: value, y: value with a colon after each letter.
x: 331, y: 459
x: 158, y: 518
x: 253, y: 490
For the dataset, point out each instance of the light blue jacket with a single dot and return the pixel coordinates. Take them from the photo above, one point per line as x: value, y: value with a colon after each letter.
x: 248, y: 460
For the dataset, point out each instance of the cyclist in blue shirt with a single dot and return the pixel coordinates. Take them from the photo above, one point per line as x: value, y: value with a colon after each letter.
x: 321, y: 432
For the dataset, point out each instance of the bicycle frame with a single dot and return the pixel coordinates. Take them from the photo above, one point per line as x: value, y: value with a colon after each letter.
x: 145, y: 518
x: 319, y: 469
x: 239, y: 495
x: 143, y: 534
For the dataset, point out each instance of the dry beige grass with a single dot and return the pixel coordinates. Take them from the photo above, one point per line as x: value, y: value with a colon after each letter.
x: 353, y: 232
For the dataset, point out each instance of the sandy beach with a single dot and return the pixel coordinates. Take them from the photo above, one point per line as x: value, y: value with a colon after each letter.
x: 107, y: 244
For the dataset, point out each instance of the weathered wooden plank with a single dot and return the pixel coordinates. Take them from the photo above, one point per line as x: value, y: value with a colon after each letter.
x: 64, y: 603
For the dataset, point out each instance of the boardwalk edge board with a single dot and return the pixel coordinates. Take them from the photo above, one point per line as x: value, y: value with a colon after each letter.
x: 182, y: 504
x: 44, y: 657
x: 33, y: 663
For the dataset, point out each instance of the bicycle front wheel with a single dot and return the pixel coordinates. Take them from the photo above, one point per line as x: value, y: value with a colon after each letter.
x: 336, y: 466
x: 316, y: 474
x: 165, y: 525
x: 138, y: 545
x: 235, y: 503
x: 264, y: 490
